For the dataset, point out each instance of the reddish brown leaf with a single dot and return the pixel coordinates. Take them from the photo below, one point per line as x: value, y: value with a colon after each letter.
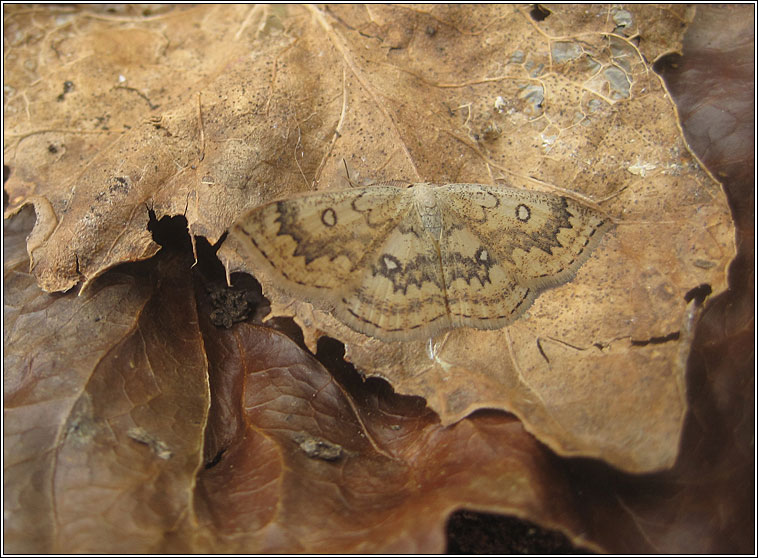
x: 305, y: 464
x: 105, y: 402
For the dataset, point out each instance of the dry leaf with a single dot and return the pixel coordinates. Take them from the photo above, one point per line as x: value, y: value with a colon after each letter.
x: 437, y: 93
x: 621, y: 330
x: 114, y: 435
x: 440, y: 93
x: 105, y: 406
x: 348, y: 469
x: 49, y: 379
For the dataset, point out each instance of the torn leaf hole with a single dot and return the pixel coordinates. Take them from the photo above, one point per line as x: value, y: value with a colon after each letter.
x: 699, y: 293
x: 656, y: 340
x: 539, y: 12
x: 169, y: 231
x: 216, y: 459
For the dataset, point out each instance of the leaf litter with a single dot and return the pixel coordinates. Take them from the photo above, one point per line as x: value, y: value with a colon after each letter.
x: 194, y: 152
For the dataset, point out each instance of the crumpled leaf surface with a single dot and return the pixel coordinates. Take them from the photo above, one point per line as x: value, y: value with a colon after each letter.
x: 293, y: 461
x: 271, y: 101
x: 49, y: 381
x: 105, y: 405
x: 369, y: 465
x: 624, y: 322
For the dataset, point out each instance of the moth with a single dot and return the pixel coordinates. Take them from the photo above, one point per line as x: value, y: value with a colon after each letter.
x: 407, y: 262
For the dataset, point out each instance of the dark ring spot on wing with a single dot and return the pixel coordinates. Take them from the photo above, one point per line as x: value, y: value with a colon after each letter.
x: 329, y: 217
x: 523, y: 213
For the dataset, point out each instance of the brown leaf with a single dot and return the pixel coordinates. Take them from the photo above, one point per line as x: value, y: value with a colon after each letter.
x: 112, y: 434
x: 352, y: 468
x: 105, y: 400
x: 705, y: 504
x: 433, y: 93
x: 621, y: 330
x: 185, y: 158
x: 105, y: 403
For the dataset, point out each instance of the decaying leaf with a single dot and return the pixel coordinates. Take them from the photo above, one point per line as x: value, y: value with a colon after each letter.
x: 116, y: 440
x: 375, y: 88
x: 575, y: 115
x: 106, y: 400
x: 376, y: 472
x: 117, y: 446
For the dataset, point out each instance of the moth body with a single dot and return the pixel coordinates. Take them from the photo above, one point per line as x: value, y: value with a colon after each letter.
x: 426, y: 204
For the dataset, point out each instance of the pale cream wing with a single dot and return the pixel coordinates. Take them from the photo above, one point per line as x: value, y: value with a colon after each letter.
x: 400, y: 295
x: 482, y: 291
x: 314, y: 245
x: 515, y: 242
